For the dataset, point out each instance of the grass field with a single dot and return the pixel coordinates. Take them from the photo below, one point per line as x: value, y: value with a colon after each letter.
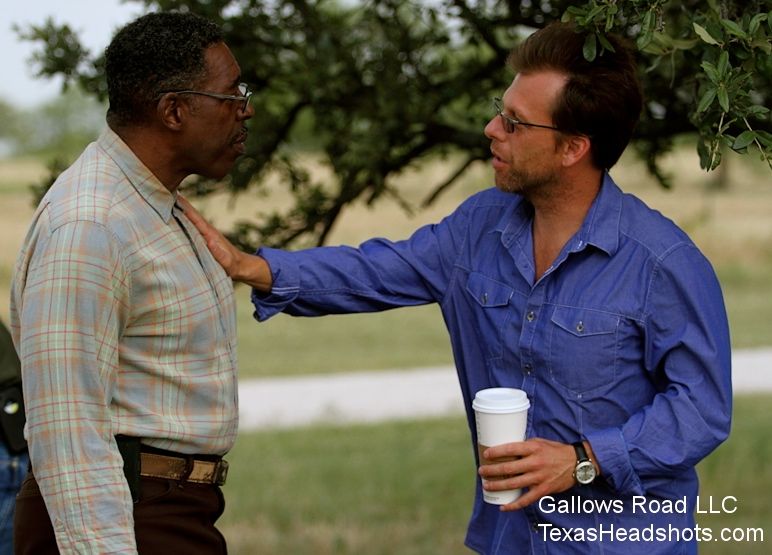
x: 406, y: 488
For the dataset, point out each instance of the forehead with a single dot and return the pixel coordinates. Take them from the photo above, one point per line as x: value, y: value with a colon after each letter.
x: 534, y: 94
x: 221, y: 67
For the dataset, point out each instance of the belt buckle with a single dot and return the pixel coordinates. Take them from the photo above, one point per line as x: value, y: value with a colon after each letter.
x: 221, y: 472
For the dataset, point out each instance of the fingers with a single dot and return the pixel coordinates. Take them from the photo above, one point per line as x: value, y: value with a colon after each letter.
x: 204, y: 227
x: 190, y: 212
x: 222, y: 250
x: 538, y: 466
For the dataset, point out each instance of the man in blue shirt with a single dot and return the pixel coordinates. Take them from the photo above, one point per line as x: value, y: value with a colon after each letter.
x: 558, y: 283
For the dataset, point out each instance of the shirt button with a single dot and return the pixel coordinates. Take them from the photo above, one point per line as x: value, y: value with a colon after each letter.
x: 580, y: 326
x: 530, y: 316
x: 528, y: 368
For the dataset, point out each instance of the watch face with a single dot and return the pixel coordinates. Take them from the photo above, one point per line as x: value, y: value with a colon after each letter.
x: 585, y: 472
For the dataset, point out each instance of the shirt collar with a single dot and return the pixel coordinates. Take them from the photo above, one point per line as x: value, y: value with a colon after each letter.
x: 140, y: 177
x: 600, y: 227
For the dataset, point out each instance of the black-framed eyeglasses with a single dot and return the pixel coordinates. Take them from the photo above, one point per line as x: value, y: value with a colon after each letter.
x: 244, y: 95
x: 510, y: 124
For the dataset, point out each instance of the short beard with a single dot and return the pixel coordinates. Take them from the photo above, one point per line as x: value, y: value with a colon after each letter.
x: 527, y: 184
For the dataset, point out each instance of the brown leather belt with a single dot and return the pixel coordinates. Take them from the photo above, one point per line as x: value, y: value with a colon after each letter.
x: 198, y: 471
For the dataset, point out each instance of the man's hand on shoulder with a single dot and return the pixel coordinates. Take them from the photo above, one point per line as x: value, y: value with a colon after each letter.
x: 240, y: 266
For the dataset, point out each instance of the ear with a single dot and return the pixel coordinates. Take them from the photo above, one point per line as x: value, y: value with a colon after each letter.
x: 171, y: 111
x: 575, y: 148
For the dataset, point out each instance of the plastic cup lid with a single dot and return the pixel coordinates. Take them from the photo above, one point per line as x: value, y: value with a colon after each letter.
x: 500, y: 400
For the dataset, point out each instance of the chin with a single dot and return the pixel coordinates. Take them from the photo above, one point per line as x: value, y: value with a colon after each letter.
x: 215, y: 173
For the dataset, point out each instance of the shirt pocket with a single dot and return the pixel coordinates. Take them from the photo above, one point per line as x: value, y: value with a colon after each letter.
x: 491, y: 310
x: 582, y: 348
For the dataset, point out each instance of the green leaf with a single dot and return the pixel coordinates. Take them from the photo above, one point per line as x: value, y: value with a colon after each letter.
x: 594, y: 12
x: 611, y: 13
x: 723, y: 98
x: 684, y: 44
x: 758, y: 111
x: 644, y: 39
x: 745, y: 138
x: 649, y: 19
x: 654, y: 48
x: 755, y: 23
x: 762, y: 43
x: 703, y: 34
x: 707, y: 99
x: 590, y: 48
x: 711, y: 72
x: 764, y: 138
x: 704, y: 153
x: 574, y: 12
x: 723, y: 63
x: 605, y: 43
x: 734, y: 28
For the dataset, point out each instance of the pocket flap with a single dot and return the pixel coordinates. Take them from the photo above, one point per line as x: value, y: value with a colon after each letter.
x: 583, y: 322
x: 488, y: 292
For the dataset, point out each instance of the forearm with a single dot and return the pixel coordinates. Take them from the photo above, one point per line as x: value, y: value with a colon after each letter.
x: 663, y: 440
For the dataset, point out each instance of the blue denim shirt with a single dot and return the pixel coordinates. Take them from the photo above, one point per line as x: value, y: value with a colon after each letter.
x: 623, y: 342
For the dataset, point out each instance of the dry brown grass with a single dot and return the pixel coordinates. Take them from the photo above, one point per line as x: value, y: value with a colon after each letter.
x: 728, y: 224
x: 731, y: 225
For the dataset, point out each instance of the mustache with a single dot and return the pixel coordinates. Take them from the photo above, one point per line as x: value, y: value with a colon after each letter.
x: 241, y: 136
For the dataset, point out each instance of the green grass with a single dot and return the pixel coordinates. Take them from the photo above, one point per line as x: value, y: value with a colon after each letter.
x: 747, y: 293
x: 401, y: 487
x: 406, y: 487
x: 284, y: 345
x: 741, y: 468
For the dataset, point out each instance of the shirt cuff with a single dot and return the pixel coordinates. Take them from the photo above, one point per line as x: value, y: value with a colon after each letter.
x: 613, y: 458
x: 285, y: 284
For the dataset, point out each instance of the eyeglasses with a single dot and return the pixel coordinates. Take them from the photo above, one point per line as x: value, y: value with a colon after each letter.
x: 244, y: 95
x: 510, y: 124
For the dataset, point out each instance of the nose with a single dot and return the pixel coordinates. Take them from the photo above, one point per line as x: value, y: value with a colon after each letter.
x: 248, y: 113
x: 494, y: 129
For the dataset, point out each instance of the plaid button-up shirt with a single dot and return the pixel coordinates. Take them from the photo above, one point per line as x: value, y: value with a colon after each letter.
x: 125, y: 324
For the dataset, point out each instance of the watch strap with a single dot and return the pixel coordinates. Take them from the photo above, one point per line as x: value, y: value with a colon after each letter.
x: 581, y: 452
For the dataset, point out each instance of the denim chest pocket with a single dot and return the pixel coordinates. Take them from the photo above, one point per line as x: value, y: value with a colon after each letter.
x: 582, y: 348
x: 491, y: 308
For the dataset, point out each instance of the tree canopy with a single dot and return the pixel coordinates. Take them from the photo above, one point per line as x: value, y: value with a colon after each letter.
x: 375, y: 86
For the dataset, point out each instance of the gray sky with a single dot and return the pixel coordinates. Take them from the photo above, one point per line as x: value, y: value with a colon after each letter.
x: 94, y: 20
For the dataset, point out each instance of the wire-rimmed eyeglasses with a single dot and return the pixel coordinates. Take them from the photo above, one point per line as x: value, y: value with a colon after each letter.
x: 244, y: 95
x: 510, y: 124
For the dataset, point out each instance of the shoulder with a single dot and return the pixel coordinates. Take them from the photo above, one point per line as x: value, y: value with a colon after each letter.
x: 490, y: 205
x: 650, y: 229
x: 86, y: 191
x: 492, y: 198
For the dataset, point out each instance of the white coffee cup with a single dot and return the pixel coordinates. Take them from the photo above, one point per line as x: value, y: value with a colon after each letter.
x: 501, y: 414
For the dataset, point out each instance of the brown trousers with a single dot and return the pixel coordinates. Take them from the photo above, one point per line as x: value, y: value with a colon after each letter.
x: 170, y: 517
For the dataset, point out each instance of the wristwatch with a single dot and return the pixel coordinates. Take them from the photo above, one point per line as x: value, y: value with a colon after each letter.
x: 584, y: 473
